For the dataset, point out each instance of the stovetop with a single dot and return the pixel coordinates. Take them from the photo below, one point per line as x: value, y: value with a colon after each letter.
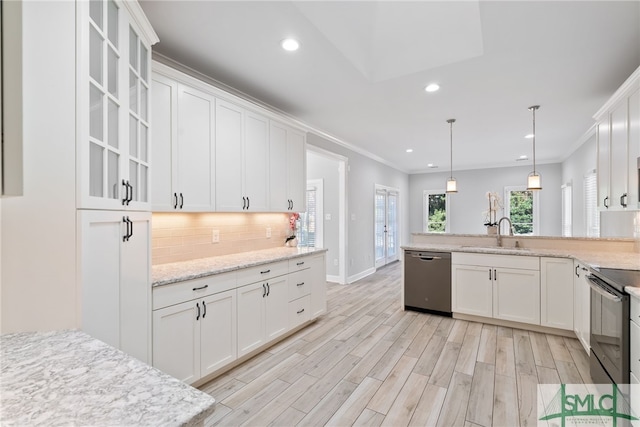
x: 619, y: 278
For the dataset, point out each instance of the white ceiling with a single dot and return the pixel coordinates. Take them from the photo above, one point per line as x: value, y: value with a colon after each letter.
x: 362, y: 67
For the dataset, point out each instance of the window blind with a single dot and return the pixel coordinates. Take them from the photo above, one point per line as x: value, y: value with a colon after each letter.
x: 566, y: 210
x: 592, y: 216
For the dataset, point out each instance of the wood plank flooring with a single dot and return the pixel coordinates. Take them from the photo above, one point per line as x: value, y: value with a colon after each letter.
x: 367, y: 362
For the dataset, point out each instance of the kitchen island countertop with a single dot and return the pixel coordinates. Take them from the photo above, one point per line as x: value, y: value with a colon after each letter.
x: 69, y: 378
x: 165, y: 274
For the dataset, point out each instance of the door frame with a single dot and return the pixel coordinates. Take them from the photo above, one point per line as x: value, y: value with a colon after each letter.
x: 343, y: 166
x: 386, y: 189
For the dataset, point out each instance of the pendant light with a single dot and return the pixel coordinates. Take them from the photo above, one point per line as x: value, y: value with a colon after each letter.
x: 533, y: 180
x: 452, y: 184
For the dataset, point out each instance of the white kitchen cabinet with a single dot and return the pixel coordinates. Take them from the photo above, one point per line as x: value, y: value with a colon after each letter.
x: 114, y: 263
x: 195, y: 326
x: 318, y: 277
x: 556, y: 293
x: 634, y: 357
x: 618, y: 139
x: 582, y: 305
x: 287, y: 168
x: 242, y: 159
x: 113, y: 143
x: 263, y: 313
x: 498, y: 286
x: 183, y: 130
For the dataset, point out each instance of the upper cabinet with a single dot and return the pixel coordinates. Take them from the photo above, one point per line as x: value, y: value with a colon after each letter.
x: 618, y: 139
x: 216, y: 152
x: 114, y: 57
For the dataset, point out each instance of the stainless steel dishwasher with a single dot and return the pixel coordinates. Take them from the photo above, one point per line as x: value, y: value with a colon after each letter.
x: 427, y: 282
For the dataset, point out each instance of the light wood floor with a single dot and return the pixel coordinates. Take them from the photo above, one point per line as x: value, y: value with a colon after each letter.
x: 366, y: 362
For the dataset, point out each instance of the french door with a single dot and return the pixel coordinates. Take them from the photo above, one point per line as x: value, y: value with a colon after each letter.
x: 386, y: 225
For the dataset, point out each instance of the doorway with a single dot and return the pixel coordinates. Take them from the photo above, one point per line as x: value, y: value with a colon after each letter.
x: 386, y: 225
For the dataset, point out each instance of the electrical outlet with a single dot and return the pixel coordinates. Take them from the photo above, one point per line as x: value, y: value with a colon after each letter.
x: 215, y: 236
x: 327, y: 217
x: 268, y: 232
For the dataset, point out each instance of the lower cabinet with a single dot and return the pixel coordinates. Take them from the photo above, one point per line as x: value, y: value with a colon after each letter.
x: 634, y: 337
x: 114, y: 272
x: 499, y: 286
x: 581, y: 305
x: 556, y: 293
x: 262, y: 313
x: 195, y: 338
x: 202, y: 325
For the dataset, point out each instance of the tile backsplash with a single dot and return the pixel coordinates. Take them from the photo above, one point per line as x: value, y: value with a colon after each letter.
x: 186, y: 236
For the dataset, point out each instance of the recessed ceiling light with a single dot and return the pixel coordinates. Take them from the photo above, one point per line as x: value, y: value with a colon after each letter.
x: 431, y: 166
x: 409, y: 150
x: 523, y: 157
x: 432, y: 87
x: 290, y: 45
x: 529, y: 136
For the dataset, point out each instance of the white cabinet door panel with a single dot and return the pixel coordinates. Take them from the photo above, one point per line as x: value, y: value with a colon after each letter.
x: 618, y: 150
x: 556, y: 293
x: 277, y: 307
x: 296, y: 168
x: 164, y: 105
x: 229, y: 162
x: 218, y: 331
x: 251, y: 314
x: 278, y: 193
x: 602, y: 135
x: 256, y: 162
x: 472, y: 290
x: 516, y: 295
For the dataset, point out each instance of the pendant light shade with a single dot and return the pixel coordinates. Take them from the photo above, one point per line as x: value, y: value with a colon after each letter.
x: 533, y: 181
x: 452, y: 184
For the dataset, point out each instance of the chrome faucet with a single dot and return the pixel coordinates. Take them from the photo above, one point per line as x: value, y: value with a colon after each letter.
x: 498, y: 236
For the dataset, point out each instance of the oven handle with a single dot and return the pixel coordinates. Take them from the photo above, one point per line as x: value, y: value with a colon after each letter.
x: 602, y: 291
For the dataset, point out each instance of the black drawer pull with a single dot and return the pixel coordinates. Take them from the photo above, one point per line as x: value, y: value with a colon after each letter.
x: 264, y: 290
x: 300, y: 284
x: 300, y: 311
x: 300, y: 263
x: 265, y: 272
x: 205, y: 309
x: 198, y: 306
x: 201, y: 287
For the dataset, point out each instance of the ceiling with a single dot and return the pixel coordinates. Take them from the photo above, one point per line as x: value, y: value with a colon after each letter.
x: 362, y: 66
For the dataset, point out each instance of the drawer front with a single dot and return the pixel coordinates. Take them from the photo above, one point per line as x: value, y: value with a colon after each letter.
x: 634, y: 335
x: 262, y: 272
x: 176, y: 293
x: 635, y: 310
x: 300, y: 263
x: 299, y: 311
x: 299, y: 284
x: 497, y: 261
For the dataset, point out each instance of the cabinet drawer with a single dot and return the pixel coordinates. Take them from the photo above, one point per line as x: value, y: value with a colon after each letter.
x: 634, y: 336
x: 297, y: 264
x: 176, y: 293
x: 299, y: 284
x: 262, y: 272
x: 497, y: 261
x: 299, y: 311
x: 635, y: 310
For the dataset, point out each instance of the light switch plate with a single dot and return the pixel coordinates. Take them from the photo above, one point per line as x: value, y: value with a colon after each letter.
x: 215, y: 236
x: 268, y: 232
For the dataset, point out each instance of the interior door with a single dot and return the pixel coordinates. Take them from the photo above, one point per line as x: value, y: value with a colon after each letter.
x: 386, y: 226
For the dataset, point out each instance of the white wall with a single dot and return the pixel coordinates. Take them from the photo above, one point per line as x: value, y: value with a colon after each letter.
x: 326, y: 169
x: 574, y: 168
x: 468, y: 205
x: 362, y: 176
x: 39, y: 228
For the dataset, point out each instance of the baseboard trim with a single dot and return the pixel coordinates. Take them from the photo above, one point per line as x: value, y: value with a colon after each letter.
x: 516, y: 325
x: 334, y: 279
x: 361, y: 275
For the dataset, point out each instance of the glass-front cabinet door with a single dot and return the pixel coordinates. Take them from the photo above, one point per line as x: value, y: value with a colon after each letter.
x: 113, y: 98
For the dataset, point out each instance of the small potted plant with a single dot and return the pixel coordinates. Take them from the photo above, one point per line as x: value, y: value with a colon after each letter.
x: 292, y: 240
x: 491, y: 215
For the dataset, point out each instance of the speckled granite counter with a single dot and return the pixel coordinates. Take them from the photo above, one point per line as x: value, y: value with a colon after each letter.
x: 165, y: 274
x: 69, y: 378
x: 635, y: 292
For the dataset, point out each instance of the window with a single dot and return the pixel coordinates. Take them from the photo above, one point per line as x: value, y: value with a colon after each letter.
x: 592, y: 216
x: 566, y: 210
x: 435, y: 210
x: 521, y: 207
x: 311, y: 221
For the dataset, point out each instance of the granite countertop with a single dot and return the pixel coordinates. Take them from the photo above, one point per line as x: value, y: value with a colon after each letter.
x: 165, y: 274
x: 622, y: 260
x: 634, y: 292
x: 70, y: 378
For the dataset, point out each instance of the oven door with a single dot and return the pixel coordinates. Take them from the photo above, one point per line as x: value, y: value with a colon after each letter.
x: 609, y: 330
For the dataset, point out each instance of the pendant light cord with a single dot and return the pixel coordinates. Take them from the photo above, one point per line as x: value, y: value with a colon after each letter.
x: 534, y: 108
x: 451, y: 121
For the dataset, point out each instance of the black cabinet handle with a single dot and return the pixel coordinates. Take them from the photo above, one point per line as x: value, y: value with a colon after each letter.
x: 181, y: 200
x: 268, y: 289
x: 623, y: 200
x: 126, y: 192
x: 201, y: 287
x: 577, y: 274
x: 205, y: 309
x: 248, y: 203
x: 604, y: 202
x: 489, y: 274
x: 175, y: 200
x: 244, y: 203
x: 300, y: 263
x: 264, y: 290
x: 265, y: 271
x: 131, y: 232
x: 129, y: 193
x: 495, y: 275
x: 300, y: 311
x: 300, y: 284
x: 126, y: 234
x: 198, y: 306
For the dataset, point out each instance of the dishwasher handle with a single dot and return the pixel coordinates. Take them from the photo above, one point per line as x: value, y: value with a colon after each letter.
x: 425, y: 257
